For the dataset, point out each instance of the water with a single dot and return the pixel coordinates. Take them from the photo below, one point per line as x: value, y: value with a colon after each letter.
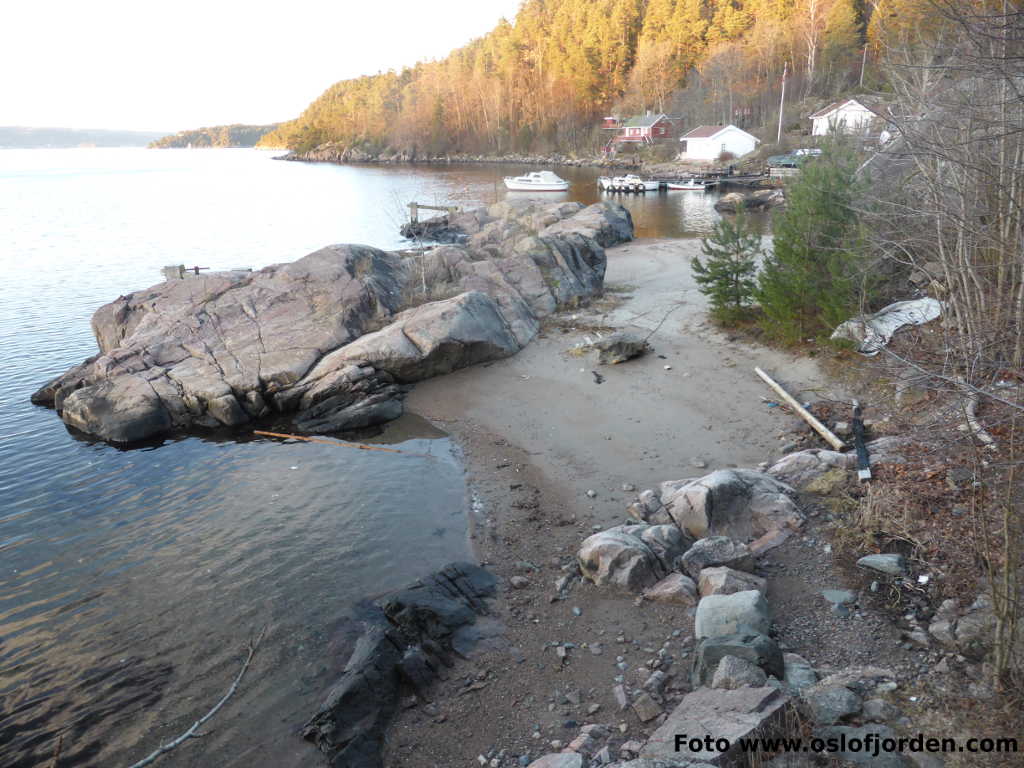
x: 131, y: 580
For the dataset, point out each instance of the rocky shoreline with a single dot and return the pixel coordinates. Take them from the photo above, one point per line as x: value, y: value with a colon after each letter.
x: 336, y: 338
x: 332, y: 152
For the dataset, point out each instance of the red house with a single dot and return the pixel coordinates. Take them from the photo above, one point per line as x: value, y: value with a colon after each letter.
x: 640, y: 129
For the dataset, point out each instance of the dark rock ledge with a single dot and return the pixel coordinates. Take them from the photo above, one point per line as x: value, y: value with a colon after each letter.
x: 335, y: 338
x: 408, y: 645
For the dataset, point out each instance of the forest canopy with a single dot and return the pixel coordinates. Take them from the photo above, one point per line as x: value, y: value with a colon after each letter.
x: 541, y: 81
x: 217, y: 136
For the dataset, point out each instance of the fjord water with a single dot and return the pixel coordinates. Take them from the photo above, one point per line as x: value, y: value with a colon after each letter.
x: 130, y: 580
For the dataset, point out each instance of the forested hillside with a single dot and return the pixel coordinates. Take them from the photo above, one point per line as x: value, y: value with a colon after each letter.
x: 540, y: 82
x: 216, y: 136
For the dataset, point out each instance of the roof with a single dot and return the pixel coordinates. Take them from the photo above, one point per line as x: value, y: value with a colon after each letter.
x: 642, y: 121
x: 835, y: 105
x: 710, y: 131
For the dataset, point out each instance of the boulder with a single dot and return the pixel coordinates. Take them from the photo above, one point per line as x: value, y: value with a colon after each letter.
x: 757, y: 649
x: 734, y: 201
x: 325, y: 338
x: 943, y: 624
x: 803, y: 467
x: 674, y: 588
x: 715, y: 551
x: 620, y: 347
x: 620, y: 557
x: 726, y: 581
x: 717, y: 714
x: 738, y: 613
x: 733, y: 502
x: 799, y: 674
x: 830, y: 704
x: 975, y: 630
x: 734, y: 672
x: 879, y: 711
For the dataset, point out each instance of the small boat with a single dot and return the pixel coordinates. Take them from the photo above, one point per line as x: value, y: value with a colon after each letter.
x: 537, y: 181
x: 692, y: 184
x: 628, y: 183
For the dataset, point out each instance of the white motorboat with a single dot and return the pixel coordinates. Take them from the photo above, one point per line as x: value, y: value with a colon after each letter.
x: 697, y: 184
x: 536, y: 181
x: 629, y: 183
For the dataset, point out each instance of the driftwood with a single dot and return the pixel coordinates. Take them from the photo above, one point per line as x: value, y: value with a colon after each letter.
x: 971, y: 416
x: 806, y: 415
x: 193, y: 732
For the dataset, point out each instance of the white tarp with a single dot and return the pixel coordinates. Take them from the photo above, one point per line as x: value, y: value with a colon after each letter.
x: 872, y: 332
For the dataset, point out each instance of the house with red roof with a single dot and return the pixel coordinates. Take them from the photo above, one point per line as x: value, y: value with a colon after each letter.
x: 711, y: 142
x: 639, y: 129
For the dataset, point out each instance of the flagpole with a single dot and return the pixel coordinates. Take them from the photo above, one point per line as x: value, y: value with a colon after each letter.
x: 782, y: 101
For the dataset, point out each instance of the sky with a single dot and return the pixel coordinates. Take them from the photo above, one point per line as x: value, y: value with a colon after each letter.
x: 179, y: 64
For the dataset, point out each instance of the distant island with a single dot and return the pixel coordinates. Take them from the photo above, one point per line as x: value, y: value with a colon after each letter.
x: 23, y: 137
x: 215, y: 136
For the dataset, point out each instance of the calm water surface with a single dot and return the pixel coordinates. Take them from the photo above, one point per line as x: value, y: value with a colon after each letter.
x: 131, y: 580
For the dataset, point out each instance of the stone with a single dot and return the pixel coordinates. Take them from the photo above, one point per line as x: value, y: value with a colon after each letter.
x: 799, y: 674
x: 726, y: 581
x: 715, y: 551
x: 803, y: 467
x: 646, y: 708
x: 839, y: 596
x: 633, y: 557
x: 734, y: 672
x: 619, y: 692
x: 559, y: 760
x: 891, y: 565
x: 975, y: 629
x: 878, y: 733
x: 674, y: 588
x: 519, y: 582
x: 655, y: 682
x: 733, y: 502
x: 738, y: 613
x: 757, y: 649
x: 943, y: 624
x: 879, y: 711
x: 620, y: 347
x: 717, y: 714
x: 830, y: 704
x: 329, y: 338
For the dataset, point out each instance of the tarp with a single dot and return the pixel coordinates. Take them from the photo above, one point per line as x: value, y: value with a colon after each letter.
x: 872, y: 332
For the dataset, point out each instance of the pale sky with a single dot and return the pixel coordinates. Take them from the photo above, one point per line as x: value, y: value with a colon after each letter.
x: 177, y: 64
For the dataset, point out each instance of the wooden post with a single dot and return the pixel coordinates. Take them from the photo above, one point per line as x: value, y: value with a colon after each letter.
x: 806, y: 415
x: 782, y: 101
x: 413, y: 213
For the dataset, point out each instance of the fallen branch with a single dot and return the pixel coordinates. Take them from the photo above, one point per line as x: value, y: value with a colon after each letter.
x: 806, y: 415
x: 970, y: 414
x: 193, y: 732
x: 658, y: 326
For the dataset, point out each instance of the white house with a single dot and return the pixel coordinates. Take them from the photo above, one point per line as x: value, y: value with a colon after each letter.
x: 708, y: 142
x: 848, y: 116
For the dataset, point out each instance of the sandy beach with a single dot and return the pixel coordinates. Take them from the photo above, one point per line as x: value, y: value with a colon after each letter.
x: 539, y: 433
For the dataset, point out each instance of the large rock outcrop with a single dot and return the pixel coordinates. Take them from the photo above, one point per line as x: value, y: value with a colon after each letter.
x: 330, y: 338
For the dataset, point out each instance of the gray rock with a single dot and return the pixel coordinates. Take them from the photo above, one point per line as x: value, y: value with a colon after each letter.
x: 878, y: 733
x: 828, y: 705
x: 891, y: 565
x: 674, y: 588
x: 799, y: 672
x: 726, y: 581
x: 227, y: 348
x: 734, y: 672
x: 646, y: 708
x: 620, y: 347
x: 757, y: 649
x: 739, y: 613
x: 559, y: 760
x: 718, y: 714
x: 839, y: 596
x: 975, y: 629
x: 800, y: 468
x: 733, y: 502
x: 715, y: 551
x: 943, y: 624
x: 879, y: 711
x: 621, y: 559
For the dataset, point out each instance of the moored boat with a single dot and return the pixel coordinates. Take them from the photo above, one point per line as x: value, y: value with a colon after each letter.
x: 629, y: 183
x: 537, y: 181
x: 693, y: 183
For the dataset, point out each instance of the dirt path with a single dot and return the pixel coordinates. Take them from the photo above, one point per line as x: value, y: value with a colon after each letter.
x: 539, y: 433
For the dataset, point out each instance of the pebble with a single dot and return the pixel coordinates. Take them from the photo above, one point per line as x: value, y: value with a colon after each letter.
x: 699, y: 463
x: 576, y: 610
x: 592, y: 493
x: 628, y: 487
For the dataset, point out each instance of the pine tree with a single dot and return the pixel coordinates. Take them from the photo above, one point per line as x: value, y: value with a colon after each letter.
x: 727, y: 275
x: 812, y: 280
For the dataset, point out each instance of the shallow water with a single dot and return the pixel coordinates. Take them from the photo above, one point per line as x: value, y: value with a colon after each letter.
x: 131, y: 580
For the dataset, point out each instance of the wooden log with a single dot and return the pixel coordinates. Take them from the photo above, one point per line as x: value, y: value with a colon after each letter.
x: 806, y: 415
